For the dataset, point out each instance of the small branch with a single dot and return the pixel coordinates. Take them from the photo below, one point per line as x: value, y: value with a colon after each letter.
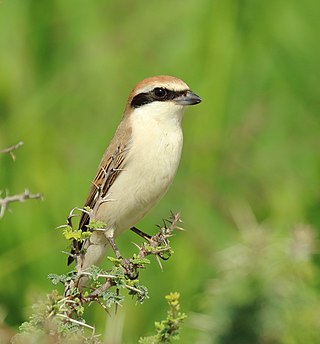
x: 124, y: 273
x: 16, y: 198
x: 11, y: 149
x: 133, y: 288
x: 84, y: 273
x: 76, y: 322
x: 95, y: 293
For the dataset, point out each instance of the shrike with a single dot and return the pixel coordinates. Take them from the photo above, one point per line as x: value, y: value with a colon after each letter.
x: 139, y: 165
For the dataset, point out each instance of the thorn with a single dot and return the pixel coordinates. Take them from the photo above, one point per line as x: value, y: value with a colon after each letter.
x: 159, y: 261
x: 62, y: 226
x: 136, y: 245
x: 69, y: 254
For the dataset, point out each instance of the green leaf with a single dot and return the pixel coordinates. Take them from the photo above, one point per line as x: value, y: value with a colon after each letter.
x: 93, y: 224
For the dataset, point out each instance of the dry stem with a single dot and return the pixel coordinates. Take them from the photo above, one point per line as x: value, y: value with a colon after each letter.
x: 11, y: 149
x: 16, y: 198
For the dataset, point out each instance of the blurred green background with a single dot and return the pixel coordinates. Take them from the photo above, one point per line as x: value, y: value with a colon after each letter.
x: 251, y: 155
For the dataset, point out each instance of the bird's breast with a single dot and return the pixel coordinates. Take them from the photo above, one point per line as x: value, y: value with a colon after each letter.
x: 151, y: 165
x: 156, y: 152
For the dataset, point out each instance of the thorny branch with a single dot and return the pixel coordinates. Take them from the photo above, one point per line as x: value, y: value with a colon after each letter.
x: 16, y: 198
x: 158, y: 245
x: 11, y: 149
x: 123, y: 275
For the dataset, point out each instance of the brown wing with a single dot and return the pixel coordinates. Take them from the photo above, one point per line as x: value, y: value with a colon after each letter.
x: 110, y: 167
x: 105, y: 177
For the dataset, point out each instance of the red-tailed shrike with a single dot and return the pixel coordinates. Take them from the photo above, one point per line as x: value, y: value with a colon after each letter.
x: 139, y: 165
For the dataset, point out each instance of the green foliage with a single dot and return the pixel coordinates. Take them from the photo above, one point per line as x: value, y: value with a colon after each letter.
x: 103, y: 287
x: 111, y: 298
x: 265, y: 290
x: 94, y: 224
x: 66, y: 70
x: 75, y: 234
x: 140, y: 261
x: 47, y: 326
x: 64, y: 278
x: 48, y: 323
x: 167, y: 330
x: 71, y: 232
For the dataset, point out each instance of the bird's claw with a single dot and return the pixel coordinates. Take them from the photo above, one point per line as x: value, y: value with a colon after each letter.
x: 130, y: 269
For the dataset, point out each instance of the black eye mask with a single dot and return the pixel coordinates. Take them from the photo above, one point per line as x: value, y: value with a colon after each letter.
x: 158, y: 94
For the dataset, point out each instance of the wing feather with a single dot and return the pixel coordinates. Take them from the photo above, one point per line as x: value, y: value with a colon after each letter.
x: 111, y: 165
x: 105, y: 177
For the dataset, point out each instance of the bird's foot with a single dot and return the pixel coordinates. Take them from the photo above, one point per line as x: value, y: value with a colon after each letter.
x: 130, y: 269
x: 114, y: 247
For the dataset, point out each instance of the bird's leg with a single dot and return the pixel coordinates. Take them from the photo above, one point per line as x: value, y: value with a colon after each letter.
x: 129, y: 269
x: 114, y: 247
x: 140, y: 233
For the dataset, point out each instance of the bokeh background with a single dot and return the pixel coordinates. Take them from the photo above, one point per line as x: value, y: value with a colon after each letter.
x: 247, y: 266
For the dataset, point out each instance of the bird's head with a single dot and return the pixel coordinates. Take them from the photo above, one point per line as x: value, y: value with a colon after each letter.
x: 161, y: 96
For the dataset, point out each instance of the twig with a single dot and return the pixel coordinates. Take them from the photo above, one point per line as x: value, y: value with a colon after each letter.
x: 11, y: 149
x: 107, y: 285
x: 16, y: 198
x: 126, y: 272
x: 133, y: 288
x: 84, y: 273
x: 76, y: 322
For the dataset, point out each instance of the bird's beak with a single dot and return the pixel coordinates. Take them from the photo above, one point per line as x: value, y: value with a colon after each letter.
x: 189, y: 98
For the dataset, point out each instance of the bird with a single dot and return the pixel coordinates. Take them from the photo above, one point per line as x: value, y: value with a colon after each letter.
x: 138, y: 166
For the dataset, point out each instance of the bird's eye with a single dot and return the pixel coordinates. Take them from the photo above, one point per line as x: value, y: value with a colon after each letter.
x: 160, y: 92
